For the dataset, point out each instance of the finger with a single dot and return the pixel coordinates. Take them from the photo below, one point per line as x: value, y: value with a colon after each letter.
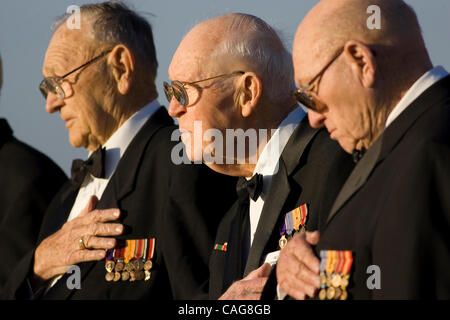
x: 262, y: 271
x: 86, y: 255
x: 310, y: 279
x: 295, y: 287
x: 92, y: 242
x: 92, y: 203
x: 105, y: 215
x: 312, y: 237
x: 254, y: 285
x: 104, y: 229
x: 303, y: 252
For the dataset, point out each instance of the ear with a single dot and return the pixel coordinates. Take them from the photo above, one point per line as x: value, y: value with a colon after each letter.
x: 121, y: 61
x: 362, y: 62
x: 250, y: 93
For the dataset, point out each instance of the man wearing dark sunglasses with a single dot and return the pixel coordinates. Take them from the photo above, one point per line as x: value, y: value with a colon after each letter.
x: 130, y: 218
x: 379, y: 96
x: 232, y: 73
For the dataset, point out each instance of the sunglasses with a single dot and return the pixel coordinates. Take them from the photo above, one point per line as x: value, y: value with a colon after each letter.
x: 53, y: 84
x: 176, y: 89
x: 309, y: 98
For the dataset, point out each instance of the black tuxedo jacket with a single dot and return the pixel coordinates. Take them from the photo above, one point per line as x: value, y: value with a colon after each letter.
x: 179, y: 205
x: 28, y: 181
x: 394, y: 210
x: 312, y: 169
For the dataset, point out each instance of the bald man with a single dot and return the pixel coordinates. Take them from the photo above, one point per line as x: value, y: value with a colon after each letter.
x: 379, y: 96
x: 240, y: 77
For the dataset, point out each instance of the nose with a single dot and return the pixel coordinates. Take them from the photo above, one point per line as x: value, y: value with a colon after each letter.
x: 53, y: 103
x: 176, y: 110
x: 316, y: 119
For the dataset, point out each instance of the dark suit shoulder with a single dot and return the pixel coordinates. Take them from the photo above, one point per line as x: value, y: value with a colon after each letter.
x: 26, y: 162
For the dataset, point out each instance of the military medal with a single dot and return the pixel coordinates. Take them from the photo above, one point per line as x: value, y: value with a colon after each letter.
x: 335, y: 266
x: 323, y: 277
x: 148, y: 255
x: 294, y: 221
x: 131, y: 262
x: 109, y: 265
x: 109, y: 276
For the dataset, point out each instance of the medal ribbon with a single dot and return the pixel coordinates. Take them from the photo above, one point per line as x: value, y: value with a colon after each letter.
x: 129, y: 250
x: 294, y: 220
x: 329, y: 264
x: 151, y: 248
x: 110, y: 255
x: 348, y: 262
x: 323, y: 260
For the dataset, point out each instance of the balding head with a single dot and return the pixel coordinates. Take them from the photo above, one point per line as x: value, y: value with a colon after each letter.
x: 331, y: 23
x: 243, y: 40
x: 375, y: 69
x: 253, y: 79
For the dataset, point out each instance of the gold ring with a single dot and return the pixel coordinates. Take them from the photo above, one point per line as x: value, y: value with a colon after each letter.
x: 81, y: 244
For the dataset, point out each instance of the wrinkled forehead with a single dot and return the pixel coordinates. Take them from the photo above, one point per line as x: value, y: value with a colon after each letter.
x: 66, y: 48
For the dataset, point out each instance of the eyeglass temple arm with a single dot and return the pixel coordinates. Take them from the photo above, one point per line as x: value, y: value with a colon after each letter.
x: 338, y: 53
x: 86, y: 64
x: 222, y: 75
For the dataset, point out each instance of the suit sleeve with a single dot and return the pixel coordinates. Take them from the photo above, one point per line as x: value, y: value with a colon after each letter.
x: 411, y: 244
x: 198, y: 199
x: 30, y: 190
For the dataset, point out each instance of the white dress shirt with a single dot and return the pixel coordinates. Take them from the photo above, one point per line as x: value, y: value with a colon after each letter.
x: 115, y: 147
x: 423, y: 83
x: 267, y: 164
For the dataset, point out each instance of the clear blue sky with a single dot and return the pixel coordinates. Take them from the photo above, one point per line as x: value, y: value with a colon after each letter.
x: 25, y: 33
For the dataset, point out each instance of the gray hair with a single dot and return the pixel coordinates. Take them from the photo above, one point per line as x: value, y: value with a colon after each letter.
x: 115, y: 23
x: 258, y: 44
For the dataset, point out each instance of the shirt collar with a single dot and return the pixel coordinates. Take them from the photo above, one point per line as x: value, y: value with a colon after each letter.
x: 268, y: 161
x: 423, y: 83
x: 117, y: 144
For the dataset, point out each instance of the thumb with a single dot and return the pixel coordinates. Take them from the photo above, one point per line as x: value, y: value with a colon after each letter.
x: 261, y: 272
x: 312, y: 237
x: 92, y: 203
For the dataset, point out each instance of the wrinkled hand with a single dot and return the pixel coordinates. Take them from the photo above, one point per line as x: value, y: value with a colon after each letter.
x: 298, y: 267
x: 62, y: 249
x: 249, y: 288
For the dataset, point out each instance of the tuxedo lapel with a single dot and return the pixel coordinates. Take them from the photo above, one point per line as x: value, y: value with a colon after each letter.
x: 279, y: 190
x: 357, y: 178
x: 120, y: 185
x: 388, y: 140
x: 125, y: 175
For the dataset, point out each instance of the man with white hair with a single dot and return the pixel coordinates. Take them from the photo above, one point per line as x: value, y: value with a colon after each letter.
x: 233, y: 74
x: 378, y: 94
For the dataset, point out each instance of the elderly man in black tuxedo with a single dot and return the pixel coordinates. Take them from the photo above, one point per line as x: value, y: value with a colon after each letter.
x: 233, y: 74
x: 29, y: 181
x: 129, y: 208
x: 392, y: 112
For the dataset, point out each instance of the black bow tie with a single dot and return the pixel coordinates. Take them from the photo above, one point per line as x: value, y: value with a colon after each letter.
x: 252, y: 187
x: 93, y: 165
x: 358, y: 154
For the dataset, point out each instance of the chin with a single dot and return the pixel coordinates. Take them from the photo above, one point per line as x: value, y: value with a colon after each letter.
x: 346, y: 144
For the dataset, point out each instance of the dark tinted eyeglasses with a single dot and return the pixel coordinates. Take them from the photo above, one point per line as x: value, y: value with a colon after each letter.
x: 306, y: 96
x: 176, y: 88
x: 53, y: 84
